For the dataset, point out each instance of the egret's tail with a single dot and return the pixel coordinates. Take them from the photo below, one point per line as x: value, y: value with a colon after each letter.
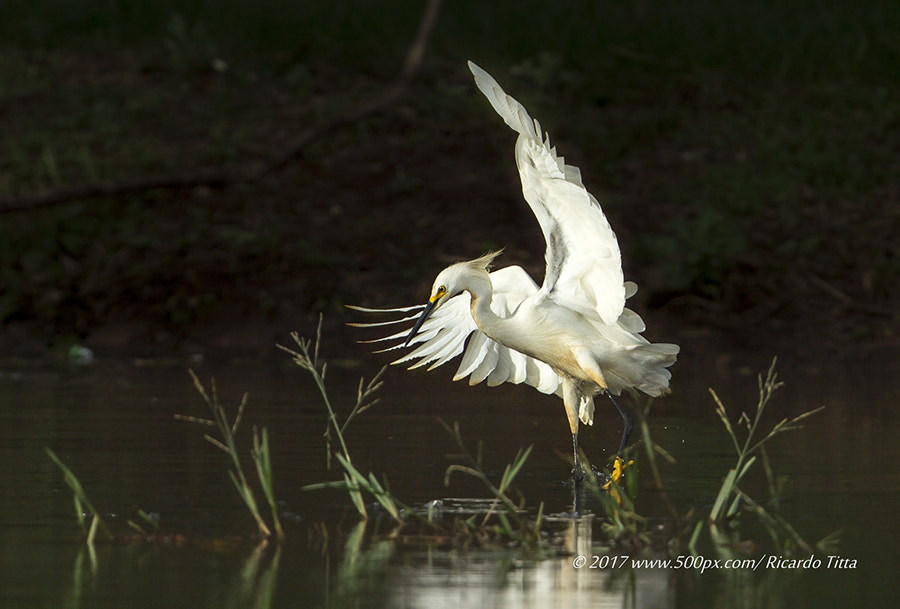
x: 643, y: 367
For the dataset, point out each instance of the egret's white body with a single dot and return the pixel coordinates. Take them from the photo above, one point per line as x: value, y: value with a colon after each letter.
x: 571, y: 336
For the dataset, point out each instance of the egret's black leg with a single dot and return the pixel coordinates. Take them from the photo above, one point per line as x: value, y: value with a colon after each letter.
x: 629, y: 424
x: 576, y: 500
x: 577, y: 473
x: 579, y: 499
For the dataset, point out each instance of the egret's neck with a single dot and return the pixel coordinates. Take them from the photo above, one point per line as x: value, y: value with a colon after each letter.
x: 481, y: 291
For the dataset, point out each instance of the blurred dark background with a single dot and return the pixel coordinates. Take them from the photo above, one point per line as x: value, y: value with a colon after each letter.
x: 746, y: 153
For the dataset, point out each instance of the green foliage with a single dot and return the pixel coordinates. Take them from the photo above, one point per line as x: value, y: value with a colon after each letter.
x: 730, y: 498
x: 500, y: 519
x: 723, y: 523
x: 82, y: 503
x: 190, y: 48
x: 527, y: 530
x: 700, y: 250
x: 804, y: 38
x: 510, y: 522
x: 260, y: 455
x: 307, y: 357
x: 704, y: 123
x: 729, y: 494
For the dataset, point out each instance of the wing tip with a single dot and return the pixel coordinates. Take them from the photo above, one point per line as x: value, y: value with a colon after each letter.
x: 475, y: 69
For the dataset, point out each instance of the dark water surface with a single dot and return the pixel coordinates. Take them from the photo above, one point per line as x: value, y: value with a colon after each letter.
x: 112, y: 423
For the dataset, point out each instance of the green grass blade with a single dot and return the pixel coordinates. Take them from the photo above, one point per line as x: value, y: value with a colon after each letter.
x: 318, y: 486
x: 695, y: 536
x: 744, y: 469
x: 263, y: 462
x: 723, y: 415
x: 384, y: 498
x: 356, y: 497
x: 358, y: 479
x: 722, y: 497
x: 538, y: 521
x: 95, y: 522
x: 505, y: 527
x: 149, y: 519
x: 514, y: 468
x: 80, y: 496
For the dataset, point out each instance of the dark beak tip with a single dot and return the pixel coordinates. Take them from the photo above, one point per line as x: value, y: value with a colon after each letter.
x: 415, y: 329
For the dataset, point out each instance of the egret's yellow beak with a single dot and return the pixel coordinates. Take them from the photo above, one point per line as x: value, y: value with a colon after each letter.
x: 429, y: 309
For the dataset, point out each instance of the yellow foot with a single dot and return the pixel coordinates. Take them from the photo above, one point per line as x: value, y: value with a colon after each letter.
x: 619, y: 466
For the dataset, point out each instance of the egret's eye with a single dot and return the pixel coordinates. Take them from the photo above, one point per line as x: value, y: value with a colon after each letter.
x: 441, y: 291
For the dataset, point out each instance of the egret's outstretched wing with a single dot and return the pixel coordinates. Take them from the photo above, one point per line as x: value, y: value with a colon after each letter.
x: 444, y: 335
x: 584, y: 264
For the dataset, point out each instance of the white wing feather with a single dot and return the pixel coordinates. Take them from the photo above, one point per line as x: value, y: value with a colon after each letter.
x: 584, y: 273
x: 584, y: 264
x: 444, y: 336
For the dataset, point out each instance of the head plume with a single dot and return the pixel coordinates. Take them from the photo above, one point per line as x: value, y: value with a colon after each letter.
x: 485, y: 261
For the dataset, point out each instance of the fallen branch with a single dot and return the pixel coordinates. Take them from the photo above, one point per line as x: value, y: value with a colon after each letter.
x: 223, y: 176
x: 846, y: 300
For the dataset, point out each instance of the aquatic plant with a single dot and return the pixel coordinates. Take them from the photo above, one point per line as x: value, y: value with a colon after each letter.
x: 497, y: 522
x: 527, y: 530
x: 731, y: 497
x: 83, y: 505
x: 259, y: 455
x: 501, y: 519
x: 623, y: 524
x: 307, y: 357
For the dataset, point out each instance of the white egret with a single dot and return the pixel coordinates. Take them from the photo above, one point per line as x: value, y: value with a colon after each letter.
x: 571, y: 336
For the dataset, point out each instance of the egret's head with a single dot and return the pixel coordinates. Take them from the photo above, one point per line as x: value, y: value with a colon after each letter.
x: 450, y: 282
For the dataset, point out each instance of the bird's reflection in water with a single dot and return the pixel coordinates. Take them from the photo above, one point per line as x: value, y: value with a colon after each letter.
x: 570, y: 578
x: 573, y: 574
